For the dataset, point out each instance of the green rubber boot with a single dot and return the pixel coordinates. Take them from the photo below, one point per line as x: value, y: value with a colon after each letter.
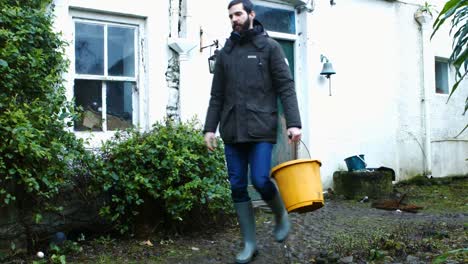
x: 246, y: 218
x: 282, y: 224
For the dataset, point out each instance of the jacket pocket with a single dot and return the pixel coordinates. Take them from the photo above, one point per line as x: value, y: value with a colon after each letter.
x: 261, y: 123
x: 227, y: 123
x: 253, y: 65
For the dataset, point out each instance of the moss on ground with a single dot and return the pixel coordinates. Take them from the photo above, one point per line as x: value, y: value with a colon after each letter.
x: 439, y: 234
x: 377, y: 241
x: 436, y: 195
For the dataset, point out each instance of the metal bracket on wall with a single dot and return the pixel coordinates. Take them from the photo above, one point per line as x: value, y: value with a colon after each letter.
x: 309, y: 7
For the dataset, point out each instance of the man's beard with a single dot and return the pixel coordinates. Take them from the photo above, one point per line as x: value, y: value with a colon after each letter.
x: 239, y: 28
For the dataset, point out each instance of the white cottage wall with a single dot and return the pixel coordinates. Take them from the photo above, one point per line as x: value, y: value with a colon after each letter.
x: 410, y: 89
x: 445, y: 117
x: 449, y: 147
x: 360, y: 117
x: 210, y: 18
x: 375, y: 109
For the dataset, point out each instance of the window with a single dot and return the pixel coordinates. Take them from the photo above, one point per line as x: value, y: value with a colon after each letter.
x: 106, y: 74
x: 441, y: 77
x: 275, y: 19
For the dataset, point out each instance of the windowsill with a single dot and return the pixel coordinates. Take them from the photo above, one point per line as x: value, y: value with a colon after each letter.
x: 95, y: 138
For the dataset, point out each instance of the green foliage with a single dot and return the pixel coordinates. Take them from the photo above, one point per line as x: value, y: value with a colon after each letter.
x: 457, y: 10
x: 421, y: 180
x: 38, y: 155
x: 57, y: 254
x: 461, y: 254
x: 396, y: 240
x: 168, y: 169
x: 449, y: 192
x: 417, y: 180
x: 428, y: 8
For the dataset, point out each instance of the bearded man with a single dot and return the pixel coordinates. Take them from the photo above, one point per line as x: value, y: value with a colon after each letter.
x: 251, y: 72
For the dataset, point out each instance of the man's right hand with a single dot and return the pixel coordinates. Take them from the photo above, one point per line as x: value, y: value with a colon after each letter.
x: 210, y: 140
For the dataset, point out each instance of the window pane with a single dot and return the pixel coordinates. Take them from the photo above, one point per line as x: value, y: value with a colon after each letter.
x: 88, y: 95
x: 441, y: 74
x: 121, y: 49
x: 89, y: 49
x: 119, y: 105
x: 274, y: 19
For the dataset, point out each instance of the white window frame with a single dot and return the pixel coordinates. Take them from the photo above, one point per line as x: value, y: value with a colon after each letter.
x: 275, y: 34
x: 288, y: 37
x: 138, y: 79
x: 282, y: 35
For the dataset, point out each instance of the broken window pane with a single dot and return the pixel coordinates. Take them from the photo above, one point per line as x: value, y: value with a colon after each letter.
x: 121, y: 50
x: 119, y: 105
x: 89, y: 48
x: 88, y: 95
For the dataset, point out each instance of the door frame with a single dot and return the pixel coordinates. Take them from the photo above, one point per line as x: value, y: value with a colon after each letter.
x: 295, y: 39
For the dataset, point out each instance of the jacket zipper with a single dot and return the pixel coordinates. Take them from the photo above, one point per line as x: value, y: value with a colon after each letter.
x: 260, y: 67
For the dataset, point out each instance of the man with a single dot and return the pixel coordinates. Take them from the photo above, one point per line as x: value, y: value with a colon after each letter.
x: 250, y: 73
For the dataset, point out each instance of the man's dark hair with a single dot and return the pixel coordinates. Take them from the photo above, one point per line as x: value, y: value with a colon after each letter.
x: 248, y: 6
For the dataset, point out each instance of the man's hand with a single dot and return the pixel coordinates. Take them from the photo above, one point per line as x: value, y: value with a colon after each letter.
x: 210, y: 140
x: 294, y: 134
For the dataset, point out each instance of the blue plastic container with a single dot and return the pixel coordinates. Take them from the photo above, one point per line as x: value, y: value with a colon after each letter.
x: 355, y: 163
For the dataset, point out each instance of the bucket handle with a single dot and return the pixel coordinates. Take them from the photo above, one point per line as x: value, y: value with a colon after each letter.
x: 290, y: 136
x: 365, y: 164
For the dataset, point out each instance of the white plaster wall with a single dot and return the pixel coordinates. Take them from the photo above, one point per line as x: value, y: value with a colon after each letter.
x: 335, y: 126
x: 375, y: 107
x: 449, y: 149
x: 446, y: 119
x: 212, y: 18
x: 410, y: 112
x: 155, y: 16
x: 359, y: 38
x: 215, y: 26
x: 449, y: 158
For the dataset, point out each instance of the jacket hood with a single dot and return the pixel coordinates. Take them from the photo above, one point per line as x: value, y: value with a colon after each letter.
x: 256, y: 35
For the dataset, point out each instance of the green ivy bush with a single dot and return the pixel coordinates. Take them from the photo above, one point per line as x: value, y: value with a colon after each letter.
x: 38, y: 153
x: 168, y: 171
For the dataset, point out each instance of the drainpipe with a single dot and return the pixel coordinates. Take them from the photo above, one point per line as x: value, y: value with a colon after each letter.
x: 175, y: 14
x: 181, y: 45
x: 428, y: 76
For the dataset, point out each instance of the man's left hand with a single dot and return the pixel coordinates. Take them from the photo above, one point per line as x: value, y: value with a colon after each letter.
x: 294, y: 134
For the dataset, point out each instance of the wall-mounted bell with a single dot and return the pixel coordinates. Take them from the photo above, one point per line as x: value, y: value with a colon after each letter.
x: 327, y: 70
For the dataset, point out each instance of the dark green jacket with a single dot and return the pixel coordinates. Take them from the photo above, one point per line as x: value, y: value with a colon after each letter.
x: 247, y: 81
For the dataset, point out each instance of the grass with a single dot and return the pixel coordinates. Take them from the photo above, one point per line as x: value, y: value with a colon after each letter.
x: 377, y: 240
x: 436, y: 195
x: 369, y: 238
x: 399, y: 240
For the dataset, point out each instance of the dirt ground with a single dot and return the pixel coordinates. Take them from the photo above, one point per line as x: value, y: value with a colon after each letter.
x: 343, y: 231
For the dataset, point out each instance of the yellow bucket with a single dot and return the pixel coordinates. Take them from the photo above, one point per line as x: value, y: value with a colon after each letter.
x: 299, y: 184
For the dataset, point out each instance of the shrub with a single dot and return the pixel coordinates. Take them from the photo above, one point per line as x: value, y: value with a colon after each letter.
x: 170, y: 170
x: 168, y: 167
x: 36, y: 150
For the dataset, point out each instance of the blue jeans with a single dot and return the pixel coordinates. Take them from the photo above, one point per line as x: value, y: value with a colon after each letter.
x: 258, y: 156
